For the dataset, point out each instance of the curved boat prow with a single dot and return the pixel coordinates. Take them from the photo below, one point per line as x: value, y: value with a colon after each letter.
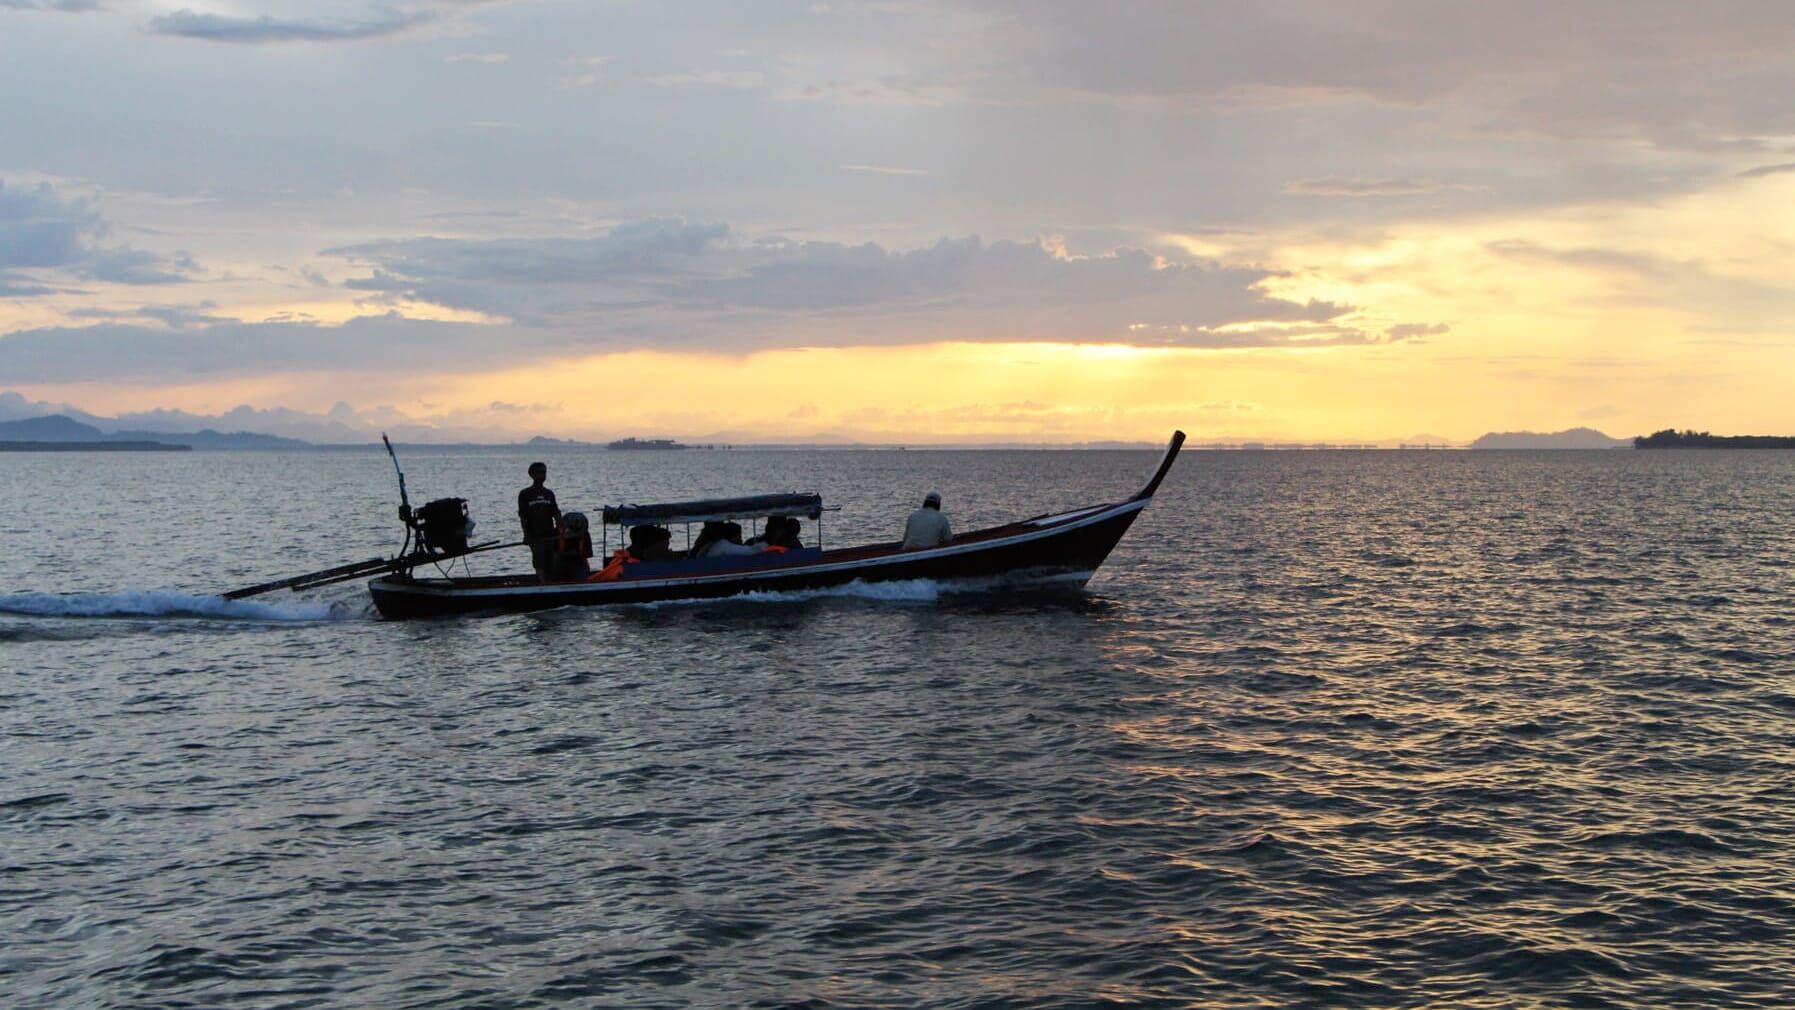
x: 1165, y: 467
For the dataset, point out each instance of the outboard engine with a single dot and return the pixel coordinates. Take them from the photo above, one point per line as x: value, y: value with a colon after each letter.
x: 444, y: 526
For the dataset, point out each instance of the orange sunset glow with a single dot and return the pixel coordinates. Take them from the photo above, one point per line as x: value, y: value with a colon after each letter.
x: 1434, y: 249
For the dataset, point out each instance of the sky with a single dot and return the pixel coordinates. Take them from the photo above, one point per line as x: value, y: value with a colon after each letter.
x: 900, y: 221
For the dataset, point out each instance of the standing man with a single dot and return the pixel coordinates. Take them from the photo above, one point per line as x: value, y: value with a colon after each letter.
x: 538, y: 512
x: 927, y: 527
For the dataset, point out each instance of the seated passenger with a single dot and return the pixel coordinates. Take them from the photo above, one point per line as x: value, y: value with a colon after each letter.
x: 927, y: 527
x: 781, y: 531
x: 651, y: 543
x: 707, y: 535
x: 569, y: 550
x: 722, y: 540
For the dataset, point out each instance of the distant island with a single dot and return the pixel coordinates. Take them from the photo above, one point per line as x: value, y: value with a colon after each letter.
x: 1573, y: 438
x: 57, y: 433
x: 1670, y: 438
x: 646, y: 443
x: 7, y: 446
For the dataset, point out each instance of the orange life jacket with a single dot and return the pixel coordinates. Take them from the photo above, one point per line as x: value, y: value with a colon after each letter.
x: 573, y: 543
x: 613, y: 571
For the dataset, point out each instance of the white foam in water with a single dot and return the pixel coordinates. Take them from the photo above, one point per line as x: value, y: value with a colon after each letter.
x: 901, y: 591
x: 906, y: 591
x: 163, y: 603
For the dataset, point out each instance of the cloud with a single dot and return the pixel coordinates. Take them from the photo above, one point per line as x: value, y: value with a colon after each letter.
x: 886, y: 170
x: 38, y: 228
x: 537, y: 281
x: 1675, y: 75
x: 341, y: 424
x: 670, y: 277
x: 135, y: 266
x: 673, y: 284
x: 1763, y: 170
x: 376, y: 23
x: 42, y: 230
x: 15, y: 407
x: 127, y: 351
x: 177, y: 317
x: 740, y: 80
x: 1642, y: 266
x: 1415, y: 331
x: 482, y: 58
x: 1373, y: 187
x: 1244, y: 337
x: 11, y: 286
x: 66, y: 6
x: 264, y: 29
x: 592, y: 72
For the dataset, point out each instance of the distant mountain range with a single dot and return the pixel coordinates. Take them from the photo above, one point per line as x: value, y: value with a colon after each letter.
x: 1573, y: 438
x: 59, y: 429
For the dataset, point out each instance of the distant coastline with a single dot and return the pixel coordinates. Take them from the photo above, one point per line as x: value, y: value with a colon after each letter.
x: 1571, y: 438
x: 1670, y: 438
x: 92, y: 447
x: 638, y: 444
x: 61, y: 433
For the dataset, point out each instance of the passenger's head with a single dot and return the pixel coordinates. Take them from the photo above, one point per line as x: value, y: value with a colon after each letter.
x: 732, y: 532
x: 539, y: 471
x: 932, y: 500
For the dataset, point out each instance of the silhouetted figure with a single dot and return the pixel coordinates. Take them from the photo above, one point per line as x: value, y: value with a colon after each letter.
x: 572, y: 545
x: 927, y: 526
x: 781, y: 531
x: 722, y: 540
x: 539, y: 515
x: 651, y: 543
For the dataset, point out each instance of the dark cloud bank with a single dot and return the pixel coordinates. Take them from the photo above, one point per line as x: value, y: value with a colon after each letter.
x: 226, y: 28
x: 380, y: 21
x: 41, y: 230
x: 674, y: 285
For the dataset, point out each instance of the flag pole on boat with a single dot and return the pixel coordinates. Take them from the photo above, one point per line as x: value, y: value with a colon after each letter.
x: 404, y: 501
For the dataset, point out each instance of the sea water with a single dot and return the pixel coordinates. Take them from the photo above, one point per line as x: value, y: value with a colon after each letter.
x: 1364, y: 729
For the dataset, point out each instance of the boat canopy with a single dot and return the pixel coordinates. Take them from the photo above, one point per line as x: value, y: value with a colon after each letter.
x: 709, y: 509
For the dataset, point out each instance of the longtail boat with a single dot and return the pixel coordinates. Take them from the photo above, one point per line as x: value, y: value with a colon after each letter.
x: 1061, y: 546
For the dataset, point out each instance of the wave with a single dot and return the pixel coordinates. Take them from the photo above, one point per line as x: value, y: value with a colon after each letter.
x: 899, y: 591
x: 167, y: 603
x: 905, y: 591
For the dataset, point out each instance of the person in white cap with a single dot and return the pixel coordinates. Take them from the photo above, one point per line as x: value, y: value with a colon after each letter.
x: 927, y: 526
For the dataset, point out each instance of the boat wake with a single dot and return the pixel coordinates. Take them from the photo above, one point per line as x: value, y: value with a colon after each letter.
x: 899, y: 591
x: 170, y: 603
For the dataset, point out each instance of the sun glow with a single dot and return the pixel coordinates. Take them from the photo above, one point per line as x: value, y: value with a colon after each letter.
x: 1626, y: 317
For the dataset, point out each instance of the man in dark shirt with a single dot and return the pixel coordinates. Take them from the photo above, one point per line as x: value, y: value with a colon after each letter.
x: 538, y: 512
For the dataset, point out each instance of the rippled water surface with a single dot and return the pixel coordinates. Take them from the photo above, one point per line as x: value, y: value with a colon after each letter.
x: 1330, y: 729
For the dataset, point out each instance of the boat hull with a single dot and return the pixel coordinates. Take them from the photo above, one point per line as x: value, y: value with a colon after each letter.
x: 1071, y: 544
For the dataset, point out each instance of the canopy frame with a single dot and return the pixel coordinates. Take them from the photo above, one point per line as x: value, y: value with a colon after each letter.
x: 808, y: 506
